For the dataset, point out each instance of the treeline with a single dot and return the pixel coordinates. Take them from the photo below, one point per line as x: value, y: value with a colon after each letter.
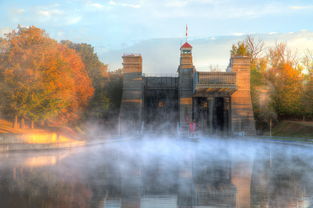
x: 55, y: 83
x: 281, y: 81
x: 52, y: 83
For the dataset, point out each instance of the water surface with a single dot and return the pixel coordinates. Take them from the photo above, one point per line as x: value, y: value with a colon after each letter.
x: 157, y: 173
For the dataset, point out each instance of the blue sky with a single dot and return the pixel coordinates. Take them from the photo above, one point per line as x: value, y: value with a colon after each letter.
x: 156, y: 28
x: 119, y: 23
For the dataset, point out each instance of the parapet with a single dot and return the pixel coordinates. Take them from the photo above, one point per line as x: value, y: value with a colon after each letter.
x: 132, y: 63
x: 239, y: 63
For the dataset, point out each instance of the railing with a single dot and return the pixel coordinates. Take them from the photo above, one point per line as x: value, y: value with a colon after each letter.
x: 228, y: 78
x: 160, y: 74
x: 212, y: 68
x: 161, y: 82
x: 217, y: 82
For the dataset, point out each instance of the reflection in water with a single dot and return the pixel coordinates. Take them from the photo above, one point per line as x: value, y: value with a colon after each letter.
x: 241, y: 178
x: 282, y: 179
x: 160, y: 173
x: 45, y: 160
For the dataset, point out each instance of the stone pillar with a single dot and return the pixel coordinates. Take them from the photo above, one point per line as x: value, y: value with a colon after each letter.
x: 185, y: 89
x: 195, y: 110
x: 210, y: 114
x: 241, y: 104
x: 227, y: 118
x: 132, y: 98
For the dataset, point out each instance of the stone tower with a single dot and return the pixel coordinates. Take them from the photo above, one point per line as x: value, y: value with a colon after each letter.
x: 132, y: 98
x: 185, y: 85
x: 241, y: 104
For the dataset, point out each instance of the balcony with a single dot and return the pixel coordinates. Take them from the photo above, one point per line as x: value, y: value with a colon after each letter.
x: 214, y: 83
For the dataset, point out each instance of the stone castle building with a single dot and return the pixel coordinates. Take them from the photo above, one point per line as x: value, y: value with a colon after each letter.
x: 218, y: 102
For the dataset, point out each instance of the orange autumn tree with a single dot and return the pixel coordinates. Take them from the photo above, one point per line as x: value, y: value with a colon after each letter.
x: 41, y: 79
x: 286, y: 79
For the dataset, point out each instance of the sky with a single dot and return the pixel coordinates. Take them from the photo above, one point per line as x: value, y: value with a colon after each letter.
x: 119, y: 24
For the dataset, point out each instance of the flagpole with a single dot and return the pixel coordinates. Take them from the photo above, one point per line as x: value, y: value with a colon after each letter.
x: 186, y: 33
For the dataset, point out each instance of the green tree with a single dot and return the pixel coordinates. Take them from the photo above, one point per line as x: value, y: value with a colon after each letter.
x: 105, y: 105
x: 240, y: 49
x: 307, y: 98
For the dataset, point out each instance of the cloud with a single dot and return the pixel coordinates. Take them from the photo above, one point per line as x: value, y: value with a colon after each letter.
x: 73, y: 20
x: 97, y: 5
x: 56, y: 16
x: 184, y: 3
x: 213, y: 9
x: 19, y: 11
x: 60, y: 34
x: 238, y: 34
x: 124, y: 4
x: 301, y: 7
x: 176, y: 3
x: 206, y: 52
x: 4, y: 31
x: 134, y: 20
x: 49, y: 13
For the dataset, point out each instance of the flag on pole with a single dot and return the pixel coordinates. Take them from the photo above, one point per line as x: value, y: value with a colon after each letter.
x: 186, y: 32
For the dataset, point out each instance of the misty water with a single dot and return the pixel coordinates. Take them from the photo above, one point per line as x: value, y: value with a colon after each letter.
x: 160, y: 173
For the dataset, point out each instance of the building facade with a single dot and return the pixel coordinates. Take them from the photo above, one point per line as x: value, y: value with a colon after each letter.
x: 216, y: 103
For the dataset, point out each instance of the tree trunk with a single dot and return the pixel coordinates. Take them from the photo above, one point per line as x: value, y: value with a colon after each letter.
x: 32, y: 124
x: 22, y: 123
x: 42, y: 123
x: 15, y: 122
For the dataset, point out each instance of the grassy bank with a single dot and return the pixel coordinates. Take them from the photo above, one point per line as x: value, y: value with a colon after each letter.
x: 298, y: 129
x: 295, y: 131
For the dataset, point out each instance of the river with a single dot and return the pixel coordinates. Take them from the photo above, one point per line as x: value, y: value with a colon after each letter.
x: 160, y: 173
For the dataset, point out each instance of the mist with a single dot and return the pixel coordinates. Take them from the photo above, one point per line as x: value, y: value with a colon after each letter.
x: 152, y: 170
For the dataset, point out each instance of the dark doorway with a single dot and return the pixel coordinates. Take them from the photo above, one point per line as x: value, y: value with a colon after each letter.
x: 218, y: 115
x: 201, y: 114
x: 161, y: 110
x: 211, y: 116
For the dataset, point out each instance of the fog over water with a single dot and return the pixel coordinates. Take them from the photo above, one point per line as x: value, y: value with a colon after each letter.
x: 155, y: 172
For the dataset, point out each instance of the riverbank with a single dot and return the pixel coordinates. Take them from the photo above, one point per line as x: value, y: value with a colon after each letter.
x: 297, y: 129
x: 31, y: 142
x: 12, y: 139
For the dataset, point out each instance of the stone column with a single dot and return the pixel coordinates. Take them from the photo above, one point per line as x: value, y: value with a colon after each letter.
x: 210, y: 114
x: 195, y: 109
x: 132, y: 98
x: 241, y: 104
x: 226, y: 127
